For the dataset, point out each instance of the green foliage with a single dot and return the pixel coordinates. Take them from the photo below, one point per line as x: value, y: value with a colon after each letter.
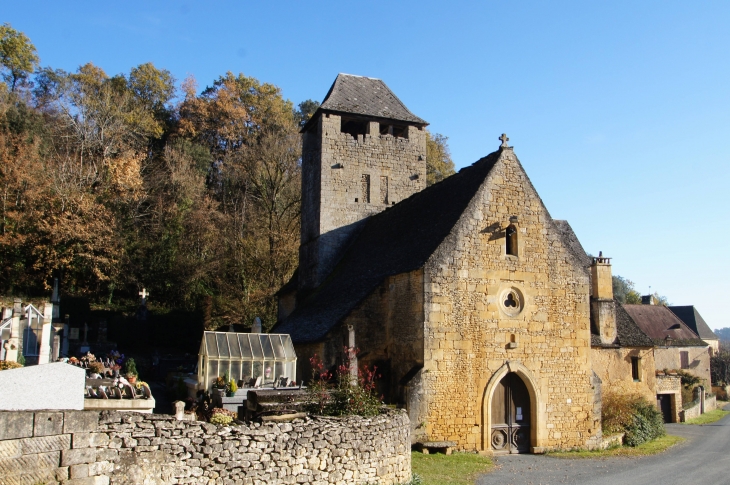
x: 624, y: 291
x: 130, y: 368
x: 305, y: 111
x: 221, y: 417
x: 438, y: 158
x: 633, y: 415
x: 18, y: 56
x: 720, y: 366
x: 454, y: 469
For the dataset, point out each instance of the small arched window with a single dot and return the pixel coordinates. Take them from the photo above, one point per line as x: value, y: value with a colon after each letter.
x: 511, y: 240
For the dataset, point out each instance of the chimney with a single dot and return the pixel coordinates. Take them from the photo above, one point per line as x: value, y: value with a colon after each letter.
x: 603, y: 306
x: 648, y: 300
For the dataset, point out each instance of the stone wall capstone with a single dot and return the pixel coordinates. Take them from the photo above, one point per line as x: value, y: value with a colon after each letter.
x: 88, y: 447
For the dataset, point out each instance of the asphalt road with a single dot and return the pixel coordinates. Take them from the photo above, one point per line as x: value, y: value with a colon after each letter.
x: 704, y: 458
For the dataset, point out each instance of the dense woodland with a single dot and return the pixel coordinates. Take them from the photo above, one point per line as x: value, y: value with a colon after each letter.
x: 117, y: 182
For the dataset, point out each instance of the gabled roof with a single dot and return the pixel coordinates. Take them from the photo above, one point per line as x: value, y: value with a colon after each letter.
x: 397, y: 240
x: 689, y: 315
x: 658, y: 321
x: 628, y: 333
x: 364, y: 96
x: 572, y: 242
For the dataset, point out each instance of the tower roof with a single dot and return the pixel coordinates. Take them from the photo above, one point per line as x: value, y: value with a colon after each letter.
x: 365, y: 96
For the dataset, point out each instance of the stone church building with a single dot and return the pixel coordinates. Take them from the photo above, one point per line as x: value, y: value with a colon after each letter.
x: 473, y: 303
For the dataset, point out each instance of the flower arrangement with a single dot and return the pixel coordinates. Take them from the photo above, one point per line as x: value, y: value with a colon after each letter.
x: 231, y: 388
x: 222, y: 416
x: 220, y: 382
x: 9, y: 364
x: 96, y: 367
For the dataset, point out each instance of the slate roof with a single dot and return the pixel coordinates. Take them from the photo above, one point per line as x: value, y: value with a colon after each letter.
x: 397, y: 240
x: 572, y: 243
x: 689, y: 315
x: 628, y: 333
x: 365, y: 96
x: 658, y: 321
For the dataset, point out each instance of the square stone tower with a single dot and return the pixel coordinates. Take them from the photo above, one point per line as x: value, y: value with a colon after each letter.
x: 363, y: 151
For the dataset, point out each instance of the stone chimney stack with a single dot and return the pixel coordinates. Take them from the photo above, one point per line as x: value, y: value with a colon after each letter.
x: 603, y: 306
x: 648, y: 300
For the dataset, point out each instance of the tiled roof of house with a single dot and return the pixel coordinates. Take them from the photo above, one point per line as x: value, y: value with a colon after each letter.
x: 689, y: 315
x: 397, y: 240
x: 628, y: 333
x: 658, y: 322
x: 364, y: 96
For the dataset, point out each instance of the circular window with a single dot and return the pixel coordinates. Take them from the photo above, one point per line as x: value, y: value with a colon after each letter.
x: 512, y: 301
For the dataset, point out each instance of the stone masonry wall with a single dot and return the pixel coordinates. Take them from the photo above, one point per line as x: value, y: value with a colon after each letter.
x: 86, y: 447
x: 699, y: 360
x: 473, y: 337
x: 345, y: 179
x: 613, y: 366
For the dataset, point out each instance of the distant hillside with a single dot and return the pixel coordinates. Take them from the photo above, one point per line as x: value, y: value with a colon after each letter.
x: 723, y: 333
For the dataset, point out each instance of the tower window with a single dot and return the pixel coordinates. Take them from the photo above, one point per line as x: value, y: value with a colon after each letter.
x: 398, y: 131
x: 511, y: 240
x: 383, y: 190
x: 365, y: 188
x: 353, y: 127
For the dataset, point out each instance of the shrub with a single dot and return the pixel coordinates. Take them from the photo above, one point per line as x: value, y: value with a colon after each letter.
x: 9, y: 364
x: 348, y: 395
x: 720, y: 393
x: 633, y: 415
x: 232, y: 386
x: 130, y: 368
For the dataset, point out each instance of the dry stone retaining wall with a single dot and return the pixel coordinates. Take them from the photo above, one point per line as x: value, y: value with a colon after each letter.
x: 88, y: 447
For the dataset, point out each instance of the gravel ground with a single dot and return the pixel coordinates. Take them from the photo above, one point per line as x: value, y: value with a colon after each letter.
x: 703, y: 458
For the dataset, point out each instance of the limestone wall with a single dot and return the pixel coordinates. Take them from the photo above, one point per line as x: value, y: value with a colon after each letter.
x: 85, y: 447
x: 473, y: 337
x: 699, y: 361
x: 613, y: 366
x: 347, y: 178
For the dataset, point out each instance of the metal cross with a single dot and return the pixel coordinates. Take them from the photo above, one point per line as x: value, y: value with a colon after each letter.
x: 504, y: 140
x: 144, y: 294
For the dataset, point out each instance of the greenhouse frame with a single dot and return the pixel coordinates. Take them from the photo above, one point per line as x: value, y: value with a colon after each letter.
x: 246, y: 357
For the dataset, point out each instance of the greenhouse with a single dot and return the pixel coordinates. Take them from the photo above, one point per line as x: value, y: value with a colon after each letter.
x: 251, y: 359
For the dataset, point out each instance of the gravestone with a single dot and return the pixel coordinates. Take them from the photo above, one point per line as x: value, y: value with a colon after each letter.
x: 51, y: 386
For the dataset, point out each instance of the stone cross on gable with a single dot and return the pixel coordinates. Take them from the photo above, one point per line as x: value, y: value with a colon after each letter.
x: 504, y: 141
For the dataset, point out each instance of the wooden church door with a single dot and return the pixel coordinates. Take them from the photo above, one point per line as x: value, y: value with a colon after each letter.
x: 510, y: 418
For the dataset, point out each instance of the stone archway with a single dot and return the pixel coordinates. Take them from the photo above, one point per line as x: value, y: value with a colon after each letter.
x: 513, y: 377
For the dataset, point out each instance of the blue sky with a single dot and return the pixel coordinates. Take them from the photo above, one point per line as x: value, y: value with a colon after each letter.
x: 619, y: 111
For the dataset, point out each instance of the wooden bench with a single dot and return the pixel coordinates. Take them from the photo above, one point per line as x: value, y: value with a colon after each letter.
x: 436, y: 447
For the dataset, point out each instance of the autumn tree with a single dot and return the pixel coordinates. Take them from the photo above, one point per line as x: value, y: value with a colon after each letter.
x: 624, y: 291
x: 438, y: 158
x: 18, y: 56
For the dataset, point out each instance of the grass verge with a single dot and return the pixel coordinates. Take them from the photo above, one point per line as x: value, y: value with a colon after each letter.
x: 651, y: 448
x: 708, y: 417
x: 454, y: 469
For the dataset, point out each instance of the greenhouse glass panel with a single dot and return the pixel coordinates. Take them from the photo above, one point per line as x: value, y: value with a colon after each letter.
x: 212, y: 371
x: 245, y: 346
x: 290, y: 354
x: 279, y: 370
x: 258, y: 369
x: 278, y: 347
x: 233, y: 345
x: 236, y: 370
x: 246, y: 371
x: 222, y: 345
x: 256, y: 349
x: 266, y: 345
x: 211, y: 347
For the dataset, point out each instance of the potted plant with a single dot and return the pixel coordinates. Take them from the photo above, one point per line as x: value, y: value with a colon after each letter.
x: 130, y: 370
x: 232, y: 388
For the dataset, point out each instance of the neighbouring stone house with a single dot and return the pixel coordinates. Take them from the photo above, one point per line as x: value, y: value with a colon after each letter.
x: 466, y: 295
x: 692, y: 318
x: 676, y: 346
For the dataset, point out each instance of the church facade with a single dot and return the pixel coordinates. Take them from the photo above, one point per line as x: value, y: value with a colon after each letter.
x: 473, y: 303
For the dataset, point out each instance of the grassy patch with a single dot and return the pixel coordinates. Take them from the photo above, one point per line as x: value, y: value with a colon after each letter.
x: 708, y: 417
x: 649, y: 448
x: 454, y: 469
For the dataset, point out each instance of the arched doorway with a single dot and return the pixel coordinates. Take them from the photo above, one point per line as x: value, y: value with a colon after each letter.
x: 510, y: 416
